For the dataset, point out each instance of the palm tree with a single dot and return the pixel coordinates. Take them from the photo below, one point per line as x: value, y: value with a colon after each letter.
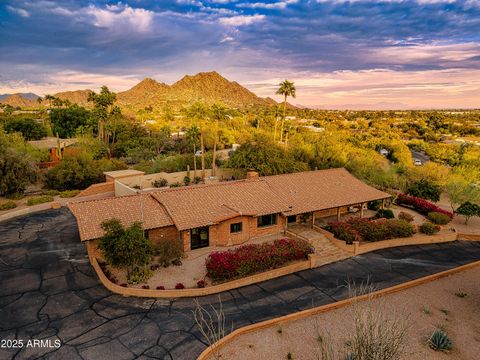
x: 219, y: 112
x: 197, y: 111
x: 287, y: 88
x: 193, y: 135
x: 49, y: 98
x: 276, y: 114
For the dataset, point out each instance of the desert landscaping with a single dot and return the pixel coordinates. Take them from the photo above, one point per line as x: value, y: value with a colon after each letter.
x: 449, y: 304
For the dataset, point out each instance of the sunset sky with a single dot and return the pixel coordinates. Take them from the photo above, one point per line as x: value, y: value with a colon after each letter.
x: 361, y: 53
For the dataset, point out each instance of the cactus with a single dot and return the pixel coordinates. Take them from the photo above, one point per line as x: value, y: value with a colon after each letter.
x: 439, y: 341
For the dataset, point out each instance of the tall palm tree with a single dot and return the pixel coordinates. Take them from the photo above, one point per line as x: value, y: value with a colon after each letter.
x: 193, y: 135
x: 276, y: 114
x: 49, y: 98
x: 286, y: 88
x: 198, y: 111
x: 219, y: 112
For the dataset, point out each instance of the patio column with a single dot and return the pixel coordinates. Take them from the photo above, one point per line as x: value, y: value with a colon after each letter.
x: 383, y: 203
x: 313, y: 219
x: 338, y: 214
x: 361, y: 210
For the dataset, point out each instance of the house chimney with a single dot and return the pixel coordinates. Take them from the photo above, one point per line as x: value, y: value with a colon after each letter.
x: 252, y: 174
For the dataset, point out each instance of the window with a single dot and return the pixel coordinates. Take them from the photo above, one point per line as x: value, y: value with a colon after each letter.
x: 236, y: 227
x: 266, y: 220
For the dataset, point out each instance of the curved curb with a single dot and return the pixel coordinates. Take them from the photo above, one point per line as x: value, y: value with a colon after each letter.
x: 230, y: 285
x: 324, y: 308
x: 183, y: 293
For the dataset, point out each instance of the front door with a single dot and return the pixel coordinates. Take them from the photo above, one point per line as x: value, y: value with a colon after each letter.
x: 199, y: 238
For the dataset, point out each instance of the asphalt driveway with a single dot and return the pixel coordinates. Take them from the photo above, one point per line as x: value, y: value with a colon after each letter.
x: 49, y: 292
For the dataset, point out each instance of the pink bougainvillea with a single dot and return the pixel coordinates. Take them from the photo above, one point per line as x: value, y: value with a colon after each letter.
x: 421, y: 205
x: 249, y: 259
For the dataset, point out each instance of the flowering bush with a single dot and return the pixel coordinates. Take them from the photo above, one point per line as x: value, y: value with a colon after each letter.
x: 422, y: 206
x: 249, y: 259
x: 201, y: 283
x: 160, y: 287
x: 179, y: 286
x: 145, y: 287
x: 371, y: 230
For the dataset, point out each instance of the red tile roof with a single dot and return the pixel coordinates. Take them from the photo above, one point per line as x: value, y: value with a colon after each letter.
x: 322, y: 189
x: 195, y: 206
x: 127, y: 209
x: 201, y: 205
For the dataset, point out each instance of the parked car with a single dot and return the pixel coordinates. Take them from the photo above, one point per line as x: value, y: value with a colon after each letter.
x: 417, y: 162
x: 198, y: 153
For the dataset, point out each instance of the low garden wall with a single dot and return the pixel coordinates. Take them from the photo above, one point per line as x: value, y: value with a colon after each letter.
x: 212, y: 350
x: 180, y: 293
x: 358, y: 248
x: 362, y: 248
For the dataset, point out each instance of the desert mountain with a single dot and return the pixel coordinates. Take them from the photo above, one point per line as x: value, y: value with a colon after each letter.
x: 18, y: 100
x: 205, y: 87
x: 30, y: 96
x: 79, y: 97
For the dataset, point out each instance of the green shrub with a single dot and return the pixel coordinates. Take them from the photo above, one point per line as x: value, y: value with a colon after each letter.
x: 8, y: 205
x: 384, y: 213
x: 468, y: 210
x: 139, y: 275
x: 425, y: 189
x: 125, y: 247
x: 15, y: 196
x: 29, y: 128
x: 405, y: 216
x: 438, y: 218
x: 168, y: 250
x: 429, y: 228
x: 50, y: 192
x: 439, y: 341
x: 69, y: 193
x: 371, y: 230
x: 39, y: 200
x: 175, y: 185
x: 160, y: 183
x: 374, y: 205
x: 186, y: 180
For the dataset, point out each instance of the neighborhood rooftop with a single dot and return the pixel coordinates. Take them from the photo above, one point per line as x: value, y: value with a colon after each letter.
x: 202, y: 205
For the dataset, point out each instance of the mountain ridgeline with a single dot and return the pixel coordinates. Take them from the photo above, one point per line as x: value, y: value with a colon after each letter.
x: 205, y: 87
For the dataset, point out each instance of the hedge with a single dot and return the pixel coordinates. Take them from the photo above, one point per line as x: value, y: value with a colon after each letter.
x: 422, y: 206
x: 250, y: 259
x: 371, y: 230
x: 39, y: 200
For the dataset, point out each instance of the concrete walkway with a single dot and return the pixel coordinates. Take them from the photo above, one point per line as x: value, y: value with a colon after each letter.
x: 48, y: 291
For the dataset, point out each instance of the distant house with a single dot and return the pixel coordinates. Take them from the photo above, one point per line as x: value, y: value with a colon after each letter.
x: 383, y: 152
x: 314, y: 128
x: 52, y: 144
x: 229, y: 213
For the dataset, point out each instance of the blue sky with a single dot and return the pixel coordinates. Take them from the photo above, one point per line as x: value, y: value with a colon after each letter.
x: 419, y: 53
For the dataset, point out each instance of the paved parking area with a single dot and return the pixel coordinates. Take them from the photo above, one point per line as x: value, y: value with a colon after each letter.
x: 48, y: 291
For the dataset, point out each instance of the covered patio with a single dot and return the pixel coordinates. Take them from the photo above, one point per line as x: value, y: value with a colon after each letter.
x: 325, y: 216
